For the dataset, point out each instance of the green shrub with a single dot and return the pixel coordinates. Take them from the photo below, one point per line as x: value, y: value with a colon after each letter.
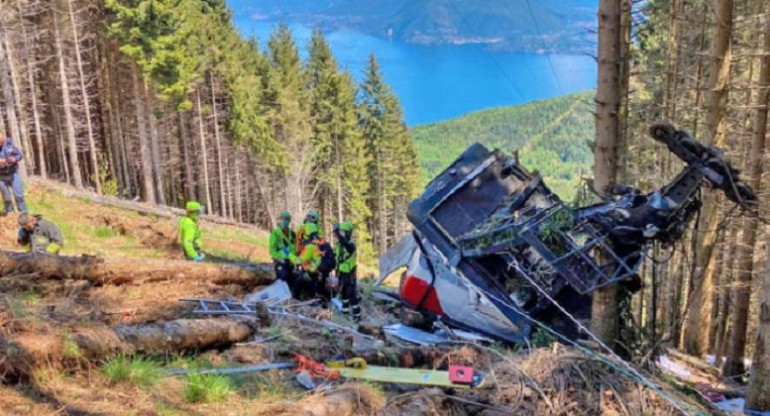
x: 202, y: 388
x: 141, y: 372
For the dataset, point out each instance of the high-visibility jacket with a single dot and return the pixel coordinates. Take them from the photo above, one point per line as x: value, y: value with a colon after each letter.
x: 347, y: 256
x: 190, y: 236
x: 282, y: 244
x: 299, y: 245
x: 310, y: 258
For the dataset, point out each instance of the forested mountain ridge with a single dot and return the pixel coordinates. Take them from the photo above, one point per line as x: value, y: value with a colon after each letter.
x: 552, y: 136
x: 164, y: 101
x: 514, y: 25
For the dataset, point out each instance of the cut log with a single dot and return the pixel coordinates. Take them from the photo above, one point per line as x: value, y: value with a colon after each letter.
x: 21, y: 355
x: 120, y: 271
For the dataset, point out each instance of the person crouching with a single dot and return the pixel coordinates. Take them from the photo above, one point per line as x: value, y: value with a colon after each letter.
x: 38, y: 235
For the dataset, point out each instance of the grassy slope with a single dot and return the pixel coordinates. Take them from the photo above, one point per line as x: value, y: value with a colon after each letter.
x: 94, y: 229
x: 551, y: 136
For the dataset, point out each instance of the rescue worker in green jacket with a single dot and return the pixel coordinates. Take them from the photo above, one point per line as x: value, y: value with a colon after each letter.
x: 311, y: 218
x: 347, y: 261
x: 39, y: 236
x: 283, y: 244
x: 190, y: 232
x: 308, y: 284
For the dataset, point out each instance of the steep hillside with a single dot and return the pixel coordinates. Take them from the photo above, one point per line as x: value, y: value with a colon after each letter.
x: 551, y: 136
x: 98, y: 230
x: 518, y: 25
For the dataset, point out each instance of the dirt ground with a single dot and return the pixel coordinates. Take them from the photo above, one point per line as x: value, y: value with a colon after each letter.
x: 553, y: 380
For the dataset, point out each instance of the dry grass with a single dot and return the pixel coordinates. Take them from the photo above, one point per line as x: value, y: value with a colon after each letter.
x: 94, y: 229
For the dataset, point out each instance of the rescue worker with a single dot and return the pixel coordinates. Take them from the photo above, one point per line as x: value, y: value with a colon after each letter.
x: 347, y: 261
x: 10, y: 178
x: 190, y: 233
x: 283, y: 241
x: 328, y: 264
x: 307, y: 285
x: 39, y: 236
x: 310, y: 218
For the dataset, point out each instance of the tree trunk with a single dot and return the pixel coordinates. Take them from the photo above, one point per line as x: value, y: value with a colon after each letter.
x: 758, y: 398
x: 218, y: 141
x: 86, y: 101
x: 42, y: 170
x: 699, y: 75
x: 238, y: 191
x: 23, y: 136
x: 725, y: 296
x: 155, y: 147
x: 184, y: 136
x: 10, y: 100
x: 604, y: 309
x: 745, y: 259
x: 699, y: 313
x: 204, y: 154
x: 77, y: 179
x: 32, y: 351
x: 118, y: 271
x: 148, y: 187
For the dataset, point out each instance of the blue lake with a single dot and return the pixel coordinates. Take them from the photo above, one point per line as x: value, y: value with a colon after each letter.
x: 440, y: 82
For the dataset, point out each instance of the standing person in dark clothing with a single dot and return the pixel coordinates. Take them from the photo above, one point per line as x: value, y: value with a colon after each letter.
x: 328, y: 264
x: 347, y: 261
x: 10, y: 178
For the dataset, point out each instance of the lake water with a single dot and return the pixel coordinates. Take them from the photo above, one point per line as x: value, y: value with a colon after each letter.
x: 440, y: 82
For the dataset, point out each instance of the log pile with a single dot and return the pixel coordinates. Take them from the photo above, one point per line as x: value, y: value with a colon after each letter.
x: 136, y: 271
x: 21, y: 355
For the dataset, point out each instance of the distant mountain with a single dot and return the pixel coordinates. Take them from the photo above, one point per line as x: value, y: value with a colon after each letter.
x: 551, y: 136
x: 517, y: 25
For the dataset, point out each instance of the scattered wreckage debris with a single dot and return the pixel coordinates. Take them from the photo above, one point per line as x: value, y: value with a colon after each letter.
x: 119, y: 271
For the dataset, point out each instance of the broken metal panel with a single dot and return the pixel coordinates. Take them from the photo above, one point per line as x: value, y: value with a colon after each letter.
x: 414, y: 335
x: 425, y: 338
x: 396, y: 257
x: 273, y: 295
x: 462, y: 196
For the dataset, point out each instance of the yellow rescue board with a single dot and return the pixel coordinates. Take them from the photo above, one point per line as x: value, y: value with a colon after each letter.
x: 401, y: 375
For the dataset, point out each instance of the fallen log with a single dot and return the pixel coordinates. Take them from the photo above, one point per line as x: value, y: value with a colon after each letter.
x: 119, y: 271
x: 21, y: 355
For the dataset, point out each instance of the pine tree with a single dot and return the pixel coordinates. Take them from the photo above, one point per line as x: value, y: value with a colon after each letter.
x: 372, y: 111
x: 288, y: 115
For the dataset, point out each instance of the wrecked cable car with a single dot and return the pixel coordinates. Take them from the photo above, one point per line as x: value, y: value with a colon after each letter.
x: 493, y: 249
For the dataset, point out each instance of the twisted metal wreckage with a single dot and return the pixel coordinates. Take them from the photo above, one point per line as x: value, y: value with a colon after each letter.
x: 494, y: 250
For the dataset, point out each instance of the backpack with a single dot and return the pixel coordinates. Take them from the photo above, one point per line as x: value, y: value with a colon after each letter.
x: 328, y: 261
